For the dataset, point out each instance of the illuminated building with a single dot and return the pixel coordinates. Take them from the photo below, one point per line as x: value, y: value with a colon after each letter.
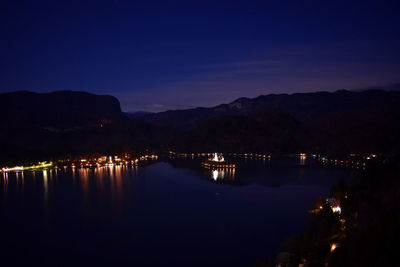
x: 217, y: 161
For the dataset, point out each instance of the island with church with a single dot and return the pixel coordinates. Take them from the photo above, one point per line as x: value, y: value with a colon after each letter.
x: 217, y: 162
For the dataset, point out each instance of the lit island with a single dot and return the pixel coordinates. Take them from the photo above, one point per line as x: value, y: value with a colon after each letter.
x: 217, y: 161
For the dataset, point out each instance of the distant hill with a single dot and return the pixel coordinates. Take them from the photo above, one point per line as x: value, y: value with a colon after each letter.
x: 270, y: 130
x: 339, y: 122
x: 62, y: 108
x: 305, y: 107
x: 391, y: 87
x: 36, y: 126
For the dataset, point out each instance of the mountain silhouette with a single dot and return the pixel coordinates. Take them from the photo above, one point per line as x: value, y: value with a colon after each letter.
x: 73, y: 123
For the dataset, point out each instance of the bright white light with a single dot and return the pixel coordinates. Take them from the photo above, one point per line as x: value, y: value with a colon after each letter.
x: 215, y: 157
x: 337, y: 209
x: 215, y: 174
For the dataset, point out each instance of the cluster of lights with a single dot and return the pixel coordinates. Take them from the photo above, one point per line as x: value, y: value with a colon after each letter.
x: 354, y: 161
x: 84, y: 162
x: 210, y: 165
x: 218, y: 158
x: 192, y: 155
x: 107, y: 161
x: 347, y: 163
x: 336, y: 209
x: 333, y: 204
x: 40, y: 165
x: 251, y: 155
x: 217, y: 161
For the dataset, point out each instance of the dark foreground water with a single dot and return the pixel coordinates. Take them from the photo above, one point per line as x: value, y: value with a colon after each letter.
x: 164, y: 214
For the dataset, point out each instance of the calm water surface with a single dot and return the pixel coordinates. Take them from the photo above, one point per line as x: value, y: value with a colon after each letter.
x: 169, y: 213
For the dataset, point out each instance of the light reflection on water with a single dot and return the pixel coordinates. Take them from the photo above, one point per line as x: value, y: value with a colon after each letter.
x: 105, y: 183
x: 100, y: 183
x: 91, y: 186
x: 5, y: 182
x: 303, y: 159
x: 157, y: 210
x: 45, y: 184
x: 108, y: 183
x: 223, y: 174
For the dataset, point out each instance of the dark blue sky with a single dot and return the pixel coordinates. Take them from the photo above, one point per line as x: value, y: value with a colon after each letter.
x: 176, y: 54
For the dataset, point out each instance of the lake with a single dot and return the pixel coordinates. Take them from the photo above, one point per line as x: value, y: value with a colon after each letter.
x: 170, y: 213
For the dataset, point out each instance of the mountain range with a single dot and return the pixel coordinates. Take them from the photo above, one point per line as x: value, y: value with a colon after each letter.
x: 67, y: 122
x: 326, y: 122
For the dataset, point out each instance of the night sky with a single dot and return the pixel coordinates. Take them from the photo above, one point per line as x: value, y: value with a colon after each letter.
x: 169, y: 55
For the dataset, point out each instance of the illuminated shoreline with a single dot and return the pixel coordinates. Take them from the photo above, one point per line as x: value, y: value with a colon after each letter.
x: 86, y: 162
x: 353, y: 161
x: 41, y: 165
